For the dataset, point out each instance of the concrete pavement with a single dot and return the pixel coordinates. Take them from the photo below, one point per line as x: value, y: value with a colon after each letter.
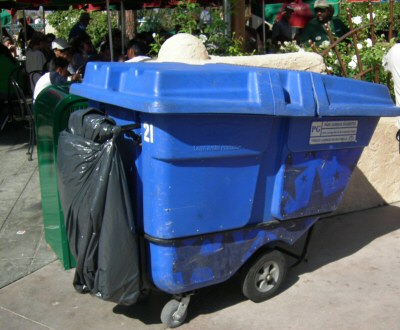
x: 351, y: 279
x: 23, y: 248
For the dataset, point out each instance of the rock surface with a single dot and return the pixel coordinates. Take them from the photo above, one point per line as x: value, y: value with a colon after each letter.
x: 186, y: 48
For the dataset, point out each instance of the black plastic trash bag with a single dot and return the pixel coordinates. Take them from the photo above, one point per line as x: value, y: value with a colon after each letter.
x: 97, y: 208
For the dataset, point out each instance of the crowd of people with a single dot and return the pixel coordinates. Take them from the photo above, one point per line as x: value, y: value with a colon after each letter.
x: 310, y: 28
x: 50, y: 60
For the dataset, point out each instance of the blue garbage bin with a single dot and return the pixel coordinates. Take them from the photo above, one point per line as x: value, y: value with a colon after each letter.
x: 233, y: 161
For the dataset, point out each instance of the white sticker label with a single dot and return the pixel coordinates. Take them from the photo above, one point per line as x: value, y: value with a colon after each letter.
x: 148, y: 135
x: 323, y: 132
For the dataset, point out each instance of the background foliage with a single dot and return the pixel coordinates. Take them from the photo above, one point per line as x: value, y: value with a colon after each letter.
x: 163, y: 23
x: 185, y: 18
x: 380, y: 10
x: 370, y: 55
x: 64, y: 20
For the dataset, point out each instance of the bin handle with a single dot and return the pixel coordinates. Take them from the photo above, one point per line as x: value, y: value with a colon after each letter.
x: 127, y: 129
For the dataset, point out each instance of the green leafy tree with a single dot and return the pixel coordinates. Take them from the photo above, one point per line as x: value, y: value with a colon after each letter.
x: 380, y: 14
x: 185, y: 18
x: 154, y: 20
x: 64, y: 20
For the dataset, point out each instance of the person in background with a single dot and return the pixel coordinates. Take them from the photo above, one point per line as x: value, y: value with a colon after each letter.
x: 36, y: 61
x: 205, y: 17
x: 80, y: 27
x: 49, y: 39
x: 116, y: 42
x: 5, y: 52
x: 30, y: 31
x: 137, y: 51
x: 315, y: 30
x: 37, y: 20
x: 59, y: 74
x: 5, y: 33
x: 81, y: 51
x: 104, y: 54
x: 282, y: 30
x: 60, y: 48
x: 9, y: 43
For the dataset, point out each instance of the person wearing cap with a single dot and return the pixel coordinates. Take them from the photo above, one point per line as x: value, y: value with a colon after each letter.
x: 80, y: 26
x: 315, y: 30
x: 282, y: 30
x: 60, y: 47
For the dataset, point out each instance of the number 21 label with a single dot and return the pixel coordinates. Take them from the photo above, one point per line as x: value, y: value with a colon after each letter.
x: 148, y: 133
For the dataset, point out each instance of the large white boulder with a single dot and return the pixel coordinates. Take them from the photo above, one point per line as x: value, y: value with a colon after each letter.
x: 186, y: 48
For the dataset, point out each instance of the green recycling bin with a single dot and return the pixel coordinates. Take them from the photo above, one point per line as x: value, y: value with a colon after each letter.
x: 51, y: 110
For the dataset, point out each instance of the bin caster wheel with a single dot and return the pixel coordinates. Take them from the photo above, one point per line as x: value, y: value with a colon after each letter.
x: 174, y: 312
x: 264, y: 276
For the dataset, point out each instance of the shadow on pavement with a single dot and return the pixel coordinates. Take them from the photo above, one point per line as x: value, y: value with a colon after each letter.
x: 205, y: 301
x: 334, y: 238
x: 14, y: 134
x: 341, y: 236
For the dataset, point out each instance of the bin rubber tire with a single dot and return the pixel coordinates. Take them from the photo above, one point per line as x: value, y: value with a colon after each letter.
x: 264, y: 277
x: 167, y: 314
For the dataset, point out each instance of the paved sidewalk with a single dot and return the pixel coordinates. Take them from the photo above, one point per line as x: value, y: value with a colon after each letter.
x: 23, y: 248
x: 351, y: 279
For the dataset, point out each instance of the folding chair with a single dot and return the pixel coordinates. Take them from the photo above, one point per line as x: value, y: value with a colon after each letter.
x: 34, y: 76
x: 25, y: 113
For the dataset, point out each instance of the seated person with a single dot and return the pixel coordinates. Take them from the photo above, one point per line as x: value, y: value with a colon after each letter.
x: 9, y: 43
x: 81, y: 50
x: 5, y: 51
x: 315, y: 30
x: 60, y: 74
x: 137, y: 51
x: 104, y: 54
x: 8, y: 66
x: 36, y: 61
x: 60, y: 48
x: 282, y: 30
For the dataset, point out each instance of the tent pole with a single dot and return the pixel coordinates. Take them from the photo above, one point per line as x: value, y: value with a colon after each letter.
x: 109, y: 30
x: 25, y: 34
x: 43, y: 20
x: 1, y: 26
x: 123, y: 28
x: 227, y: 16
x: 263, y: 26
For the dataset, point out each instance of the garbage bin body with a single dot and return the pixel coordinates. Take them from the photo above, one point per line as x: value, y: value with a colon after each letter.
x: 51, y: 111
x: 232, y: 158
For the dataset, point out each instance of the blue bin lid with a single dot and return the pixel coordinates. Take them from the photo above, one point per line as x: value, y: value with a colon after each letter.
x: 221, y: 88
